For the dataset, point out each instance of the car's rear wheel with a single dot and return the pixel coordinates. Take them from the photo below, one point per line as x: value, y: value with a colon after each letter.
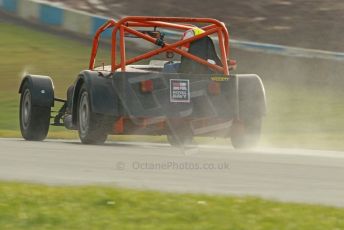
x: 180, y: 133
x: 91, y: 126
x: 179, y: 140
x: 246, y: 133
x: 34, y: 120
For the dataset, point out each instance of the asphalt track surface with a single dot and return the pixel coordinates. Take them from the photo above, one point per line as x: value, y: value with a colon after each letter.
x: 307, y: 176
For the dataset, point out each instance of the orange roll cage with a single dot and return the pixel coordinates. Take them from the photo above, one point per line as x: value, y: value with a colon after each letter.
x: 127, y: 25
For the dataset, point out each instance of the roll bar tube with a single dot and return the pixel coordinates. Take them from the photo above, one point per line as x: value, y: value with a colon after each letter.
x: 127, y: 25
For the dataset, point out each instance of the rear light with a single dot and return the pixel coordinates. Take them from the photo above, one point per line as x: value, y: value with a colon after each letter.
x: 147, y: 86
x: 214, y: 88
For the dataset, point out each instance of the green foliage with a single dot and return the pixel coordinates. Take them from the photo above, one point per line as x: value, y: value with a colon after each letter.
x: 24, y: 206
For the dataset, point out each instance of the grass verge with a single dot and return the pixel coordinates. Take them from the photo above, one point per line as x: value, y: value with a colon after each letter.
x: 24, y: 206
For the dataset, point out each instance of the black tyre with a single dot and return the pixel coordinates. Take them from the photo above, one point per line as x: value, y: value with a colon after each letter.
x: 34, y: 120
x: 246, y: 134
x: 92, y: 127
x: 180, y: 133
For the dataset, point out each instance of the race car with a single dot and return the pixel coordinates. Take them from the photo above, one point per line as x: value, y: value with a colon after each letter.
x: 189, y: 92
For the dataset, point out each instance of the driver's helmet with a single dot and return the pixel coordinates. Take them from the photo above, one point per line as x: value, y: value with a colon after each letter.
x: 188, y: 34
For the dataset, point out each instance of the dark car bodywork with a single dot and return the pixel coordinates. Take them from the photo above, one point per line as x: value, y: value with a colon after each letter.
x: 191, y: 95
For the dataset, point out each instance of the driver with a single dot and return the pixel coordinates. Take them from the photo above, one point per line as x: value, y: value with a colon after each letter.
x: 188, y: 34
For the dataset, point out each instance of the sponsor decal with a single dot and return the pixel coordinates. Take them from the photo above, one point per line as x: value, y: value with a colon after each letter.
x: 220, y: 78
x: 180, y: 90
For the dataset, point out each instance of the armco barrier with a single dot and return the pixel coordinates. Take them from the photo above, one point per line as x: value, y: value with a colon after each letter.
x: 54, y: 15
x: 287, y: 50
x: 9, y: 5
x: 77, y: 23
x: 28, y: 10
x: 51, y: 15
x: 96, y: 23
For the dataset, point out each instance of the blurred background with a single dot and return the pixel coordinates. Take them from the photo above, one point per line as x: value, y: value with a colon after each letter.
x: 311, y: 24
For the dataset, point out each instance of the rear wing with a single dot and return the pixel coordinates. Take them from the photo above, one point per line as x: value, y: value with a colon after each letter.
x: 129, y: 25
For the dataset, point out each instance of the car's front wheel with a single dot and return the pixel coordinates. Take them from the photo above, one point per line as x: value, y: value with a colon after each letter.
x: 34, y: 120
